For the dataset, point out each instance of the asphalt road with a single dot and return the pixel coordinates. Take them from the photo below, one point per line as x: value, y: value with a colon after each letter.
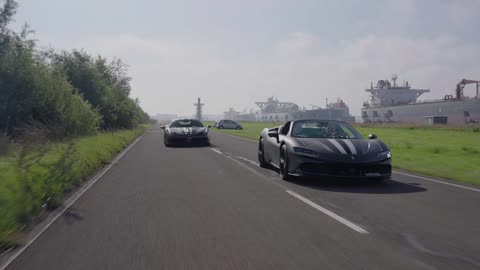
x: 213, y: 208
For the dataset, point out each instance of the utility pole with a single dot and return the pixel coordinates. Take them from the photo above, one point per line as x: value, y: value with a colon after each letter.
x: 198, y: 110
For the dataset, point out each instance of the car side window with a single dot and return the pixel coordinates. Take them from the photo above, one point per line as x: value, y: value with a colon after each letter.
x: 285, y: 128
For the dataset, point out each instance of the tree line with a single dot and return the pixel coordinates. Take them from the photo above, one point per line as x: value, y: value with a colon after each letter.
x: 69, y: 93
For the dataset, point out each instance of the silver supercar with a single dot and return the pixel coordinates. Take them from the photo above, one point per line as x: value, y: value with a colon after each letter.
x: 323, y: 148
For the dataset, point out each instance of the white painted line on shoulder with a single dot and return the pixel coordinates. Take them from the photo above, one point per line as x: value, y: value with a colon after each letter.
x: 217, y: 151
x: 68, y: 203
x: 329, y: 213
x: 247, y: 160
x: 438, y: 181
x: 255, y: 172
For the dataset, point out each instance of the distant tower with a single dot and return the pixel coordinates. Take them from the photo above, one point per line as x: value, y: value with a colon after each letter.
x: 198, y: 111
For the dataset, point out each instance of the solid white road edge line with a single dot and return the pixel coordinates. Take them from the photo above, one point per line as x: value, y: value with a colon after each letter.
x: 394, y: 171
x: 247, y: 160
x: 329, y: 213
x: 68, y: 203
x: 438, y: 181
x: 217, y: 151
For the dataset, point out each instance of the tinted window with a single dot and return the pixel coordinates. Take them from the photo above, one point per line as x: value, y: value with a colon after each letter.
x: 186, y: 123
x: 285, y: 129
x: 324, y: 129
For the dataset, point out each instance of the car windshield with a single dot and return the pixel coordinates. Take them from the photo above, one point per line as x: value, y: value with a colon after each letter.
x: 324, y: 129
x: 185, y: 123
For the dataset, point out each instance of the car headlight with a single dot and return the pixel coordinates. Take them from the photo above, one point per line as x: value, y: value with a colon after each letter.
x: 304, y: 151
x: 385, y: 154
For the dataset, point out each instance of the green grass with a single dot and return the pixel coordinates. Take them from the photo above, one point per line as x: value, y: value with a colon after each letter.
x: 447, y: 152
x: 34, y: 177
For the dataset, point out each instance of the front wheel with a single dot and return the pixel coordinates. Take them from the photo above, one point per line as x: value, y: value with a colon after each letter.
x: 261, y: 154
x: 220, y: 127
x: 283, y: 162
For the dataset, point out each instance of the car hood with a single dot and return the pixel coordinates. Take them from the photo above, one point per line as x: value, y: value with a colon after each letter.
x: 360, y: 149
x: 187, y: 130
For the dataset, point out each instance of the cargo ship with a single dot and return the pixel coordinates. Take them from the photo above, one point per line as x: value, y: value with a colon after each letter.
x: 393, y: 103
x: 274, y: 110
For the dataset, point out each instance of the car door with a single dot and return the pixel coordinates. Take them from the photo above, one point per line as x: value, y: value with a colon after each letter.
x: 226, y: 124
x: 283, y: 132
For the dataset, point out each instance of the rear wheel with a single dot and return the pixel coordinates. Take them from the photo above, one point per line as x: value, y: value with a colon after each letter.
x: 261, y: 154
x: 283, y: 164
x: 237, y: 127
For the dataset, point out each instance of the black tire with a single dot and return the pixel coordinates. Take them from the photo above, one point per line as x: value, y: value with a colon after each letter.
x: 283, y: 164
x: 237, y: 127
x: 261, y: 154
x: 165, y: 142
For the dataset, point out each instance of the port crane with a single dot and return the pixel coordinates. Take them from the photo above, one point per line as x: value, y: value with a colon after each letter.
x: 462, y: 84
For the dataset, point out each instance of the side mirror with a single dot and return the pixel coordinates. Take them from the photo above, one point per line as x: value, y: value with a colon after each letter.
x: 209, y: 126
x: 273, y: 134
x: 162, y: 127
x: 372, y: 136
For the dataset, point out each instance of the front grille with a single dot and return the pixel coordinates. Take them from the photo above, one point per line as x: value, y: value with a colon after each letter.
x: 188, y: 140
x: 177, y: 140
x: 346, y: 169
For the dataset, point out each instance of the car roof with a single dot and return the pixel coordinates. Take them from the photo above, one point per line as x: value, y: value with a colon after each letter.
x: 185, y: 119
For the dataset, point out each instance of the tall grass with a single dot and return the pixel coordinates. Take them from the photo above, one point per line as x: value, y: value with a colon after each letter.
x: 34, y: 176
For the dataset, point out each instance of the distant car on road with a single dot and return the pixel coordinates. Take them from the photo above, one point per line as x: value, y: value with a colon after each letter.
x: 228, y: 124
x: 186, y: 131
x: 324, y: 148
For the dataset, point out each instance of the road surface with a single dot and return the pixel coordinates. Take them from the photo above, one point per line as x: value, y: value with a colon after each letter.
x: 214, y: 208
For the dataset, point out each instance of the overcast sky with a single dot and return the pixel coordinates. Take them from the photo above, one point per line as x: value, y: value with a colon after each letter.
x: 234, y: 52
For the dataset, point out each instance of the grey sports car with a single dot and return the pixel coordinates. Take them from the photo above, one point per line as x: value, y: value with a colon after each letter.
x: 324, y: 148
x: 186, y: 132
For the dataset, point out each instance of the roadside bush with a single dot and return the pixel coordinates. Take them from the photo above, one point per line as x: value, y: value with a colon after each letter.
x: 72, y: 93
